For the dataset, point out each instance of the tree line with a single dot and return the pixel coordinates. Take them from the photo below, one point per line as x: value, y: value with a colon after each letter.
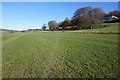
x: 83, y: 18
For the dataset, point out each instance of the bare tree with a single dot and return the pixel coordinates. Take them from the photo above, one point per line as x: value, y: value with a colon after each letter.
x: 87, y: 17
x: 53, y: 25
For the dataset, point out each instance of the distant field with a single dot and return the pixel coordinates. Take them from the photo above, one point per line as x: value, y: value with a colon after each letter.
x: 60, y: 54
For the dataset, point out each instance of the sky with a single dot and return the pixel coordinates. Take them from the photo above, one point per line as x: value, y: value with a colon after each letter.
x: 32, y: 15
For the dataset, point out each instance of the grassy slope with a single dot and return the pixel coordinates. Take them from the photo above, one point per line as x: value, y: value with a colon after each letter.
x: 112, y: 27
x: 55, y: 54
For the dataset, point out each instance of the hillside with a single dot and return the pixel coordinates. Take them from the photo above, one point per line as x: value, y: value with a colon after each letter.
x: 110, y: 28
x: 7, y: 30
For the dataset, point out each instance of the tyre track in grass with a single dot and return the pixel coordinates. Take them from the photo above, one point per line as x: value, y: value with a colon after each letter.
x: 52, y: 57
x: 12, y: 57
x: 65, y: 66
x: 25, y: 65
x: 11, y: 39
x: 30, y: 71
x: 56, y: 66
x: 6, y: 57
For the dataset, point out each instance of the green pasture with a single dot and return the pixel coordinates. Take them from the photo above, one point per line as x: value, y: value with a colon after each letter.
x: 60, y: 54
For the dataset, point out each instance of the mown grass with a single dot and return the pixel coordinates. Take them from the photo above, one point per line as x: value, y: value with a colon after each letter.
x: 59, y: 54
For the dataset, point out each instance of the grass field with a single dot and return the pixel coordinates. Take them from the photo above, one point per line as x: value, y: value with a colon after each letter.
x: 60, y: 54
